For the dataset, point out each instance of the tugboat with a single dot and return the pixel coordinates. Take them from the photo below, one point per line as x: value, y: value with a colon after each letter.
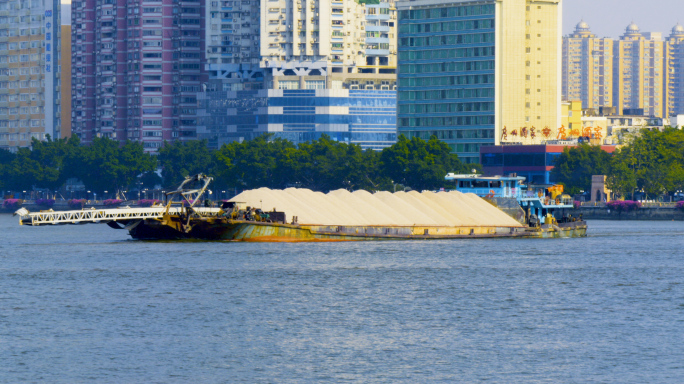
x: 540, y: 206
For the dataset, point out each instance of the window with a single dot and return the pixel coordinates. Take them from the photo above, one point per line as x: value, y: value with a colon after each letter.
x: 288, y: 84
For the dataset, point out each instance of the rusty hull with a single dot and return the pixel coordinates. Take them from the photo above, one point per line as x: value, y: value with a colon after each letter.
x: 212, y: 228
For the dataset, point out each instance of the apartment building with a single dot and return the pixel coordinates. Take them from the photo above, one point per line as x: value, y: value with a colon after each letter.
x: 65, y: 79
x: 639, y: 72
x: 477, y: 73
x: 29, y: 71
x: 299, y: 69
x: 233, y: 45
x: 675, y: 71
x: 588, y: 68
x: 137, y: 69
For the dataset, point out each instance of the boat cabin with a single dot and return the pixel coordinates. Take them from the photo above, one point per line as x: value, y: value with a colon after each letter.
x: 539, y: 201
x: 495, y: 186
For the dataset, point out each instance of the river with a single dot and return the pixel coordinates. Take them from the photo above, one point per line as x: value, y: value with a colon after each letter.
x: 87, y: 304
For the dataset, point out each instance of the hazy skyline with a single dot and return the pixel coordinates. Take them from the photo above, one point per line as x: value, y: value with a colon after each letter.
x: 609, y: 18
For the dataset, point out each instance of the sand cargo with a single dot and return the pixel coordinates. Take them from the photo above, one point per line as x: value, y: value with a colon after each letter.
x: 293, y: 215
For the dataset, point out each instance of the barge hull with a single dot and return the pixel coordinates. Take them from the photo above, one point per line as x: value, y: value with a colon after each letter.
x: 233, y: 230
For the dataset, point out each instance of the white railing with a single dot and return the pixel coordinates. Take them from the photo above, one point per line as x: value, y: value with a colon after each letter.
x: 106, y: 215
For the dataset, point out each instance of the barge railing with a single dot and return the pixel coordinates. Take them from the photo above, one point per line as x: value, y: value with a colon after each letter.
x: 106, y: 215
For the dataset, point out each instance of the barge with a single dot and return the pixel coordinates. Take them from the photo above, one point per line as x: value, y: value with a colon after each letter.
x: 383, y: 216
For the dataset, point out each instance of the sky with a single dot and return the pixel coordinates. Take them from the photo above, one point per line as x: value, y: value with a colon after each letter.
x: 609, y: 18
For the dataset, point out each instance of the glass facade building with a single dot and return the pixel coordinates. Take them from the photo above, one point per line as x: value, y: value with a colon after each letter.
x: 363, y: 117
x: 477, y: 73
x: 534, y: 162
x: 447, y: 76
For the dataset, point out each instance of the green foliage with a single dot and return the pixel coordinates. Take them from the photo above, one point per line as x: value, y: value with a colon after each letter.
x: 107, y: 166
x: 652, y: 162
x: 181, y: 159
x: 324, y: 165
x: 104, y: 165
x: 575, y: 166
x: 321, y: 165
x: 419, y: 164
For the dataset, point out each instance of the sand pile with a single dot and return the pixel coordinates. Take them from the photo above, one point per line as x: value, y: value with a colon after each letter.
x: 342, y: 207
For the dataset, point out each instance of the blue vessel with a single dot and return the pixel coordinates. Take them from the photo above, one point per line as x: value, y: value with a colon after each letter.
x: 543, y: 205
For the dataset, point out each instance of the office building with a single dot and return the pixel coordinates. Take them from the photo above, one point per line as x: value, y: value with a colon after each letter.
x: 298, y: 70
x: 353, y: 116
x: 534, y: 162
x: 136, y: 69
x: 29, y: 72
x: 479, y: 73
x: 588, y: 68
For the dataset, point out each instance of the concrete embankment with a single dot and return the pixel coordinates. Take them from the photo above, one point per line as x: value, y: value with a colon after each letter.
x: 652, y: 213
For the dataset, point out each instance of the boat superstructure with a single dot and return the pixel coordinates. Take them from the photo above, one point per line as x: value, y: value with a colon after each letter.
x: 544, y: 205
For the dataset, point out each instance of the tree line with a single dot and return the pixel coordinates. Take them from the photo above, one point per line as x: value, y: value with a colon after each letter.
x: 320, y: 165
x: 653, y: 162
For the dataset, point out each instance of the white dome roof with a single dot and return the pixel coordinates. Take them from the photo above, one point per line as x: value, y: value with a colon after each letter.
x: 678, y: 29
x: 632, y: 28
x: 582, y: 25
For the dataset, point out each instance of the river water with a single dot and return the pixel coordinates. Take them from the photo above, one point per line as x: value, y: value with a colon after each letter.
x: 87, y: 304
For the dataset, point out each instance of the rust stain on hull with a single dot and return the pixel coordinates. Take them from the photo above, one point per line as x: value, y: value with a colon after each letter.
x: 233, y: 230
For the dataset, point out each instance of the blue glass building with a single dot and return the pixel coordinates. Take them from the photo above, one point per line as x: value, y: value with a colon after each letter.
x: 363, y: 117
x: 446, y: 75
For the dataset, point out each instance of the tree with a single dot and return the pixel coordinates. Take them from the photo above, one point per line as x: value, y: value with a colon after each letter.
x: 419, y: 164
x: 107, y: 166
x: 6, y: 158
x: 181, y: 159
x: 575, y: 166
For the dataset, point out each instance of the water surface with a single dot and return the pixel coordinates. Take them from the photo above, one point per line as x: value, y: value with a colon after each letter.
x: 87, y: 304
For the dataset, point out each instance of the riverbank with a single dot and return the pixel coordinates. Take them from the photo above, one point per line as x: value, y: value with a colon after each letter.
x: 648, y: 212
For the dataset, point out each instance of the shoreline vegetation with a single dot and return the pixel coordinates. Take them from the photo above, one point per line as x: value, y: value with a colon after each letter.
x: 651, y: 166
x: 320, y: 165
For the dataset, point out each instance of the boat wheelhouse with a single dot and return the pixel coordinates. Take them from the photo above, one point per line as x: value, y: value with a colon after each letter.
x: 539, y: 201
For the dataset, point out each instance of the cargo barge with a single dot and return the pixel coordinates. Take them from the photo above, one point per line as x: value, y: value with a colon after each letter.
x: 237, y: 221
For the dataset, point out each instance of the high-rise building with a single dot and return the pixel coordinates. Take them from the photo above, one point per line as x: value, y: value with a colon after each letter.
x: 298, y: 69
x: 588, y: 68
x: 675, y: 65
x: 137, y: 69
x: 233, y: 50
x: 639, y: 73
x: 65, y: 74
x: 29, y: 71
x: 478, y: 73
